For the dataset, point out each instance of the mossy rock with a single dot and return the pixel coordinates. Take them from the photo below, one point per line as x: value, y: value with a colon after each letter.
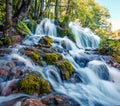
x: 34, y: 83
x: 65, y: 68
x: 35, y: 57
x: 50, y: 58
x: 45, y: 41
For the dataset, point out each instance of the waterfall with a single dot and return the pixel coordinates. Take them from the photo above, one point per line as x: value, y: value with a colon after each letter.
x: 85, y: 38
x: 93, y: 82
x: 46, y: 27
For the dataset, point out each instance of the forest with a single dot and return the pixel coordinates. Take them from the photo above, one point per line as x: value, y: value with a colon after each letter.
x: 50, y: 49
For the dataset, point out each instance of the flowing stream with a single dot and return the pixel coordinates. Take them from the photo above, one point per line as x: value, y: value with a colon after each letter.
x: 93, y: 82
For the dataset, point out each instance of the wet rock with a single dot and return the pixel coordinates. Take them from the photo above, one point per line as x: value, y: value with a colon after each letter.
x: 4, y: 71
x: 5, y: 51
x: 18, y: 63
x: 56, y: 99
x: 45, y: 41
x: 10, y: 64
x: 16, y: 39
x: 100, y: 69
x: 32, y: 102
x: 33, y: 83
x: 16, y: 72
x: 9, y: 87
x: 75, y: 78
x: 81, y: 61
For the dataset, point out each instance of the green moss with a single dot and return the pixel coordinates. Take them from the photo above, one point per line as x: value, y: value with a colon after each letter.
x: 110, y: 47
x: 35, y: 57
x: 34, y: 83
x: 21, y: 27
x: 45, y: 41
x: 65, y: 68
x: 50, y: 58
x: 1, y: 43
x: 6, y: 41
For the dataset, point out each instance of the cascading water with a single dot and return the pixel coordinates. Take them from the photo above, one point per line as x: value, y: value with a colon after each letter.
x: 93, y: 82
x: 84, y: 37
x: 46, y: 27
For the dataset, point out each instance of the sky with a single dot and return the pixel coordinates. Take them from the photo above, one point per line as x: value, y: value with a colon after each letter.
x: 114, y: 10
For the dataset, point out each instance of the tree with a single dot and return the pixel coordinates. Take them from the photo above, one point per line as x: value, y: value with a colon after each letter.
x: 8, y: 23
x: 56, y: 9
x: 22, y: 9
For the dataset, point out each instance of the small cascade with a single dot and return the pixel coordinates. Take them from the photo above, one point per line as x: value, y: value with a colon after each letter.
x: 100, y: 69
x: 46, y: 27
x: 84, y: 37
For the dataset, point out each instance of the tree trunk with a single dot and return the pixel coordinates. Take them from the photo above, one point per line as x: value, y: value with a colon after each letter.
x: 56, y: 9
x: 8, y: 22
x: 22, y: 10
x: 41, y: 9
x: 68, y: 7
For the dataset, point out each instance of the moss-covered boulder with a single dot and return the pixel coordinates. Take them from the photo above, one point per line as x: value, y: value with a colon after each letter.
x: 65, y: 68
x: 45, y: 41
x: 50, y: 58
x: 35, y: 57
x: 34, y: 83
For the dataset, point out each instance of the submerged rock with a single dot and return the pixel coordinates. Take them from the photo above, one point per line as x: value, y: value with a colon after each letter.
x: 32, y: 102
x: 57, y: 99
x: 100, y: 69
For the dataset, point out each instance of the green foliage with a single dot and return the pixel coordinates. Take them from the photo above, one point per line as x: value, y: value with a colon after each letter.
x: 2, y: 10
x: 31, y: 24
x: 50, y: 58
x: 5, y: 41
x: 69, y: 34
x: 46, y: 41
x: 22, y: 28
x: 65, y: 31
x: 110, y: 47
x: 33, y: 83
x: 65, y: 68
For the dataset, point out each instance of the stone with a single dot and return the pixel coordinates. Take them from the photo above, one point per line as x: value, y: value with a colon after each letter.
x: 10, y: 64
x: 32, y: 102
x: 16, y: 39
x: 56, y: 99
x: 9, y: 87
